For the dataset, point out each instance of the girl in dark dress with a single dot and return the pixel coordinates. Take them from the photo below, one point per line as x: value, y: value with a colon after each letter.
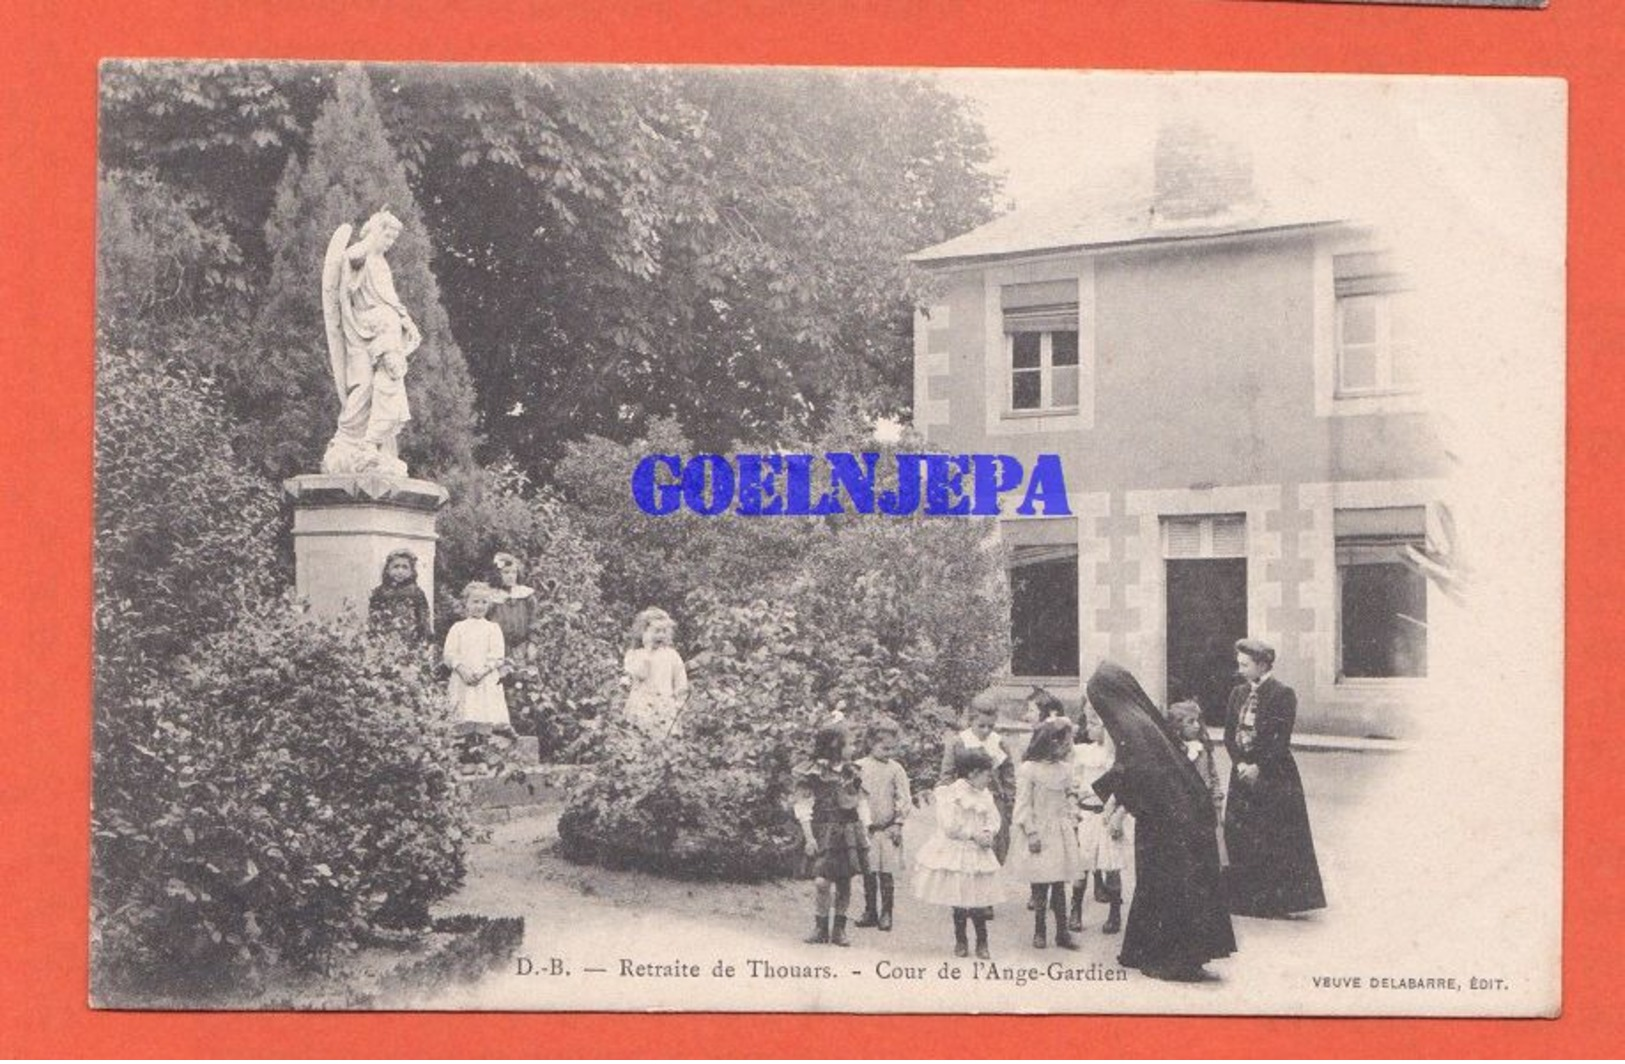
x: 514, y: 609
x: 1273, y: 871
x: 1177, y: 920
x: 834, y: 818
x: 398, y: 603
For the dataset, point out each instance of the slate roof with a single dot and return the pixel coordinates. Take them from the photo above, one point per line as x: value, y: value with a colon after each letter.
x: 1194, y: 186
x: 1075, y: 222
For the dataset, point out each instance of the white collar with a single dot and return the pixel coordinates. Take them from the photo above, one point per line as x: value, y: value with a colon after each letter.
x: 991, y: 744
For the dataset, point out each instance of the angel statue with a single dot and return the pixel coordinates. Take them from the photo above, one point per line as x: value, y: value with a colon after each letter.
x: 369, y: 338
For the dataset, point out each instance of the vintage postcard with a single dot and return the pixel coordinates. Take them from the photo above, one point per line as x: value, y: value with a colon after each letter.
x: 910, y: 541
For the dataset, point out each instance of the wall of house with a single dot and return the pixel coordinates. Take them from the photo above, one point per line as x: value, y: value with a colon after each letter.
x: 1202, y: 394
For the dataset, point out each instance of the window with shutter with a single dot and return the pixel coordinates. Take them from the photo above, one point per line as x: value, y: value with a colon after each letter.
x: 1375, y: 350
x: 1205, y: 536
x: 1041, y: 345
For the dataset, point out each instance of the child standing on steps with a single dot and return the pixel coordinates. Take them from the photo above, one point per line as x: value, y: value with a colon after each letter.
x: 1100, y: 828
x: 834, y: 819
x: 1044, y: 847
x: 477, y: 658
x: 476, y: 655
x: 957, y: 867
x: 885, y: 785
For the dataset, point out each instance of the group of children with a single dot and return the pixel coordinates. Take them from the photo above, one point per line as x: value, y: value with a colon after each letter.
x: 479, y: 651
x: 1041, y: 822
x: 1061, y: 832
x: 492, y: 643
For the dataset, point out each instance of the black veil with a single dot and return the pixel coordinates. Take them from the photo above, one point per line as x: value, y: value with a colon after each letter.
x: 1151, y: 776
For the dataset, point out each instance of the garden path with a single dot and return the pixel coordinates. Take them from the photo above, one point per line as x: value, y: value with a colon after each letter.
x: 595, y: 921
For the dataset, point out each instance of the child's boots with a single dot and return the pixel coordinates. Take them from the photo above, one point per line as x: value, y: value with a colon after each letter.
x: 871, y: 916
x: 887, y: 895
x: 1057, y: 904
x: 1074, y: 920
x: 837, y: 937
x: 1114, y: 920
x: 820, y: 935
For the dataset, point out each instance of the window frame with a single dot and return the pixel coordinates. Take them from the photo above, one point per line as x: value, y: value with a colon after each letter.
x: 1063, y: 554
x: 1045, y: 371
x: 1379, y: 273
x: 1397, y: 541
x: 1387, y: 305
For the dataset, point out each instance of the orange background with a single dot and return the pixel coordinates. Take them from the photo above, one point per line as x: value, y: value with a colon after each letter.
x: 47, y: 194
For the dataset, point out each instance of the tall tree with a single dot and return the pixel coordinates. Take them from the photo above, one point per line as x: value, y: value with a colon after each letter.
x: 284, y: 384
x: 212, y: 137
x: 721, y: 247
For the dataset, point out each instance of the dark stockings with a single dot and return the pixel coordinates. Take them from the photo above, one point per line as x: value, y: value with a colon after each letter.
x: 1048, y: 898
x: 871, y: 900
x: 977, y: 918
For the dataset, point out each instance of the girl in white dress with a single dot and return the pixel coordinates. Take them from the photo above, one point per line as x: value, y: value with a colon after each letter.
x: 475, y: 654
x: 1100, y: 828
x: 957, y: 867
x: 658, y: 677
x: 1044, y: 852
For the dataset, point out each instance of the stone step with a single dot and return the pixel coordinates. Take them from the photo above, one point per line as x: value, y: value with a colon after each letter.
x: 502, y: 797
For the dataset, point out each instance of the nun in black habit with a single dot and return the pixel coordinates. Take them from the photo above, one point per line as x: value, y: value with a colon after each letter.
x: 1177, y: 921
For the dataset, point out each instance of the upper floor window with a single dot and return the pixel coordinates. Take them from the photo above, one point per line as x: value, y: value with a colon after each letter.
x: 1041, y: 345
x: 1375, y: 350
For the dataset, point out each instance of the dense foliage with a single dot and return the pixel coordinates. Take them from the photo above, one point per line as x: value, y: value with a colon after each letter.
x: 570, y: 676
x: 264, y: 788
x: 184, y: 534
x: 610, y: 246
x: 656, y: 561
x: 622, y: 254
x: 286, y: 788
x: 725, y: 248
x: 872, y: 615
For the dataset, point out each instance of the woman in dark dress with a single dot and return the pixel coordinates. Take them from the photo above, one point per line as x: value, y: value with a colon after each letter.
x: 1177, y: 920
x: 1273, y: 871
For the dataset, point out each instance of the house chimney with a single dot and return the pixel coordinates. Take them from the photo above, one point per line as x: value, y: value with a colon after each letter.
x: 1200, y: 178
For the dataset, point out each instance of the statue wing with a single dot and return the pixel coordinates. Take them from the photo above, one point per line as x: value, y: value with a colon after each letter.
x: 332, y: 312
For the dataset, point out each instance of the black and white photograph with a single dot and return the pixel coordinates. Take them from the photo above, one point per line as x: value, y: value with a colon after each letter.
x: 685, y: 538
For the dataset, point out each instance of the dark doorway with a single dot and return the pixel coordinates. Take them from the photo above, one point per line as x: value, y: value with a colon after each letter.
x: 1207, y: 613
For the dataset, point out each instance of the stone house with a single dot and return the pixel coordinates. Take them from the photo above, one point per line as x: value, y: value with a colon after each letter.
x: 1233, y: 390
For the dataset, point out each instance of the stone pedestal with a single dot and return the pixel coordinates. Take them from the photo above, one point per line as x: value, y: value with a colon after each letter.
x: 344, y: 526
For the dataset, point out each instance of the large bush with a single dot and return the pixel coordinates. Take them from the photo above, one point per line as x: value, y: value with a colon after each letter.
x: 184, y: 533
x: 657, y: 561
x: 879, y: 616
x: 291, y: 789
x: 714, y: 800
